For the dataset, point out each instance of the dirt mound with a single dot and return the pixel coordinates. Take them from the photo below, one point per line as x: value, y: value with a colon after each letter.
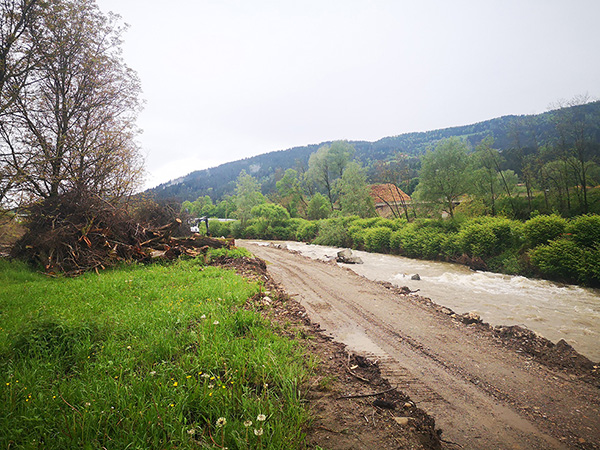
x: 558, y: 355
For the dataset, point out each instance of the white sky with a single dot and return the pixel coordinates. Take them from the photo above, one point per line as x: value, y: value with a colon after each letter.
x: 228, y: 79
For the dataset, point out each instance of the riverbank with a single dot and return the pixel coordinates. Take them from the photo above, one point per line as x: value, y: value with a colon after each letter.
x: 555, y: 311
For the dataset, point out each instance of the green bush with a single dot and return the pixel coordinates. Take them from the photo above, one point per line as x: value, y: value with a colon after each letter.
x: 218, y: 228
x: 395, y: 241
x: 378, y: 239
x: 332, y: 232
x: 253, y: 231
x: 489, y: 236
x: 294, y: 224
x: 588, y: 268
x: 236, y: 229
x: 358, y: 235
x: 418, y: 241
x: 450, y: 245
x: 542, y: 229
x: 307, y: 231
x: 585, y: 230
x: 557, y: 260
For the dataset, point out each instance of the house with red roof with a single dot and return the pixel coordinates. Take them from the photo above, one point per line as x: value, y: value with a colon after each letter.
x: 390, y: 200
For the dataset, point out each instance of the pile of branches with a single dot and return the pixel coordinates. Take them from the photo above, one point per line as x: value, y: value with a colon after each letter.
x: 78, y: 232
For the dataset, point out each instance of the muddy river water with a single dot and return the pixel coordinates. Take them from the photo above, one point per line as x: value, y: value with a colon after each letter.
x: 553, y: 310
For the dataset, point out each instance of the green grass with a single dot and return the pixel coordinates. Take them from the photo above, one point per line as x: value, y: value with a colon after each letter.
x: 143, y: 357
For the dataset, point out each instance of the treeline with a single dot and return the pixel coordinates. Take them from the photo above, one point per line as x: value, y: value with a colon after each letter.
x: 544, y: 151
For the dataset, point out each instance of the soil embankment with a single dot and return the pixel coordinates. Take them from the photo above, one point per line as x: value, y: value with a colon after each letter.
x: 482, y: 393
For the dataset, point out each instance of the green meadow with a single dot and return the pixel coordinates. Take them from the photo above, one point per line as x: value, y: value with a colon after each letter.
x: 141, y: 357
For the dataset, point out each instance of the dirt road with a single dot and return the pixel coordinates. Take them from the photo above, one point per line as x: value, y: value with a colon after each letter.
x: 481, y: 394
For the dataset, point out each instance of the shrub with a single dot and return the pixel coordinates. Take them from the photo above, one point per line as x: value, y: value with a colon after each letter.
x: 557, y: 260
x: 589, y: 266
x: 218, y: 228
x: 542, y: 229
x: 450, y: 245
x: 489, y: 236
x: 477, y: 240
x: 395, y: 241
x: 332, y: 232
x: 418, y: 241
x: 253, y: 231
x: 282, y: 233
x: 585, y: 230
x: 358, y: 235
x: 307, y: 231
x: 378, y: 239
x: 294, y: 224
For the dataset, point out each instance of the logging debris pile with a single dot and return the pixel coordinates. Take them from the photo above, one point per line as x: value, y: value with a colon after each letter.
x: 74, y: 233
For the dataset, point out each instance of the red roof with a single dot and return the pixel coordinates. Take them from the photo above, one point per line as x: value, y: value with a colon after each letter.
x: 388, y: 193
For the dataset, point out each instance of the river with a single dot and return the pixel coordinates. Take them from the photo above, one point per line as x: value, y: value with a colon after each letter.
x: 556, y: 311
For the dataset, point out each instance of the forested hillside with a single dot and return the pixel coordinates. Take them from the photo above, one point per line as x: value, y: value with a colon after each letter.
x: 511, y: 134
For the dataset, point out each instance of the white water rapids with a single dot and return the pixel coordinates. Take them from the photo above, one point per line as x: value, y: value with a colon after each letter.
x: 555, y: 311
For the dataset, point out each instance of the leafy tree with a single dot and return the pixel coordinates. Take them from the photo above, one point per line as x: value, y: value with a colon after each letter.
x: 577, y: 143
x: 272, y: 214
x: 247, y: 196
x: 290, y: 193
x: 225, y: 208
x: 443, y: 177
x: 355, y: 198
x: 72, y: 125
x: 318, y: 207
x: 326, y: 166
x: 202, y: 206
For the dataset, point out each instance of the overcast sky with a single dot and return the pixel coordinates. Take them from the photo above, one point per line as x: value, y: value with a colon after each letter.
x: 228, y: 79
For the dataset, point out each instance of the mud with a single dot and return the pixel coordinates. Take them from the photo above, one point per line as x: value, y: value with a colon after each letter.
x: 501, y: 388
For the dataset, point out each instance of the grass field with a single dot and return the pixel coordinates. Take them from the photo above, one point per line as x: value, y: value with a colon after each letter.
x: 144, y: 357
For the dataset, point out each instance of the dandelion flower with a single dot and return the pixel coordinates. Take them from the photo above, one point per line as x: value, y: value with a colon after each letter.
x: 258, y: 432
x: 221, y: 421
x: 248, y: 423
x: 261, y: 418
x: 175, y: 384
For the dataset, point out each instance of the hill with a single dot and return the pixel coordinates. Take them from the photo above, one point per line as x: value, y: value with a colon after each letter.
x: 509, y: 132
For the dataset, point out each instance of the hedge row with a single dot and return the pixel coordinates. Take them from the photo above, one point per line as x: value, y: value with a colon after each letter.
x: 549, y: 246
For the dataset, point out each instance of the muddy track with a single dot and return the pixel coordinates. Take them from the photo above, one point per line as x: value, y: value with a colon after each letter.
x: 481, y: 394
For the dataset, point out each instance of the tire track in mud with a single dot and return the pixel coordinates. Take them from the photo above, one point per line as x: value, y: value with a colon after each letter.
x: 471, y: 396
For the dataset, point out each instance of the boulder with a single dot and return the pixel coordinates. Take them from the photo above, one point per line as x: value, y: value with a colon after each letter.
x: 345, y: 256
x: 416, y: 277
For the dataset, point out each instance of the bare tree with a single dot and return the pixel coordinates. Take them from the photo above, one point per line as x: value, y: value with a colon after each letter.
x: 72, y: 126
x: 16, y: 59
